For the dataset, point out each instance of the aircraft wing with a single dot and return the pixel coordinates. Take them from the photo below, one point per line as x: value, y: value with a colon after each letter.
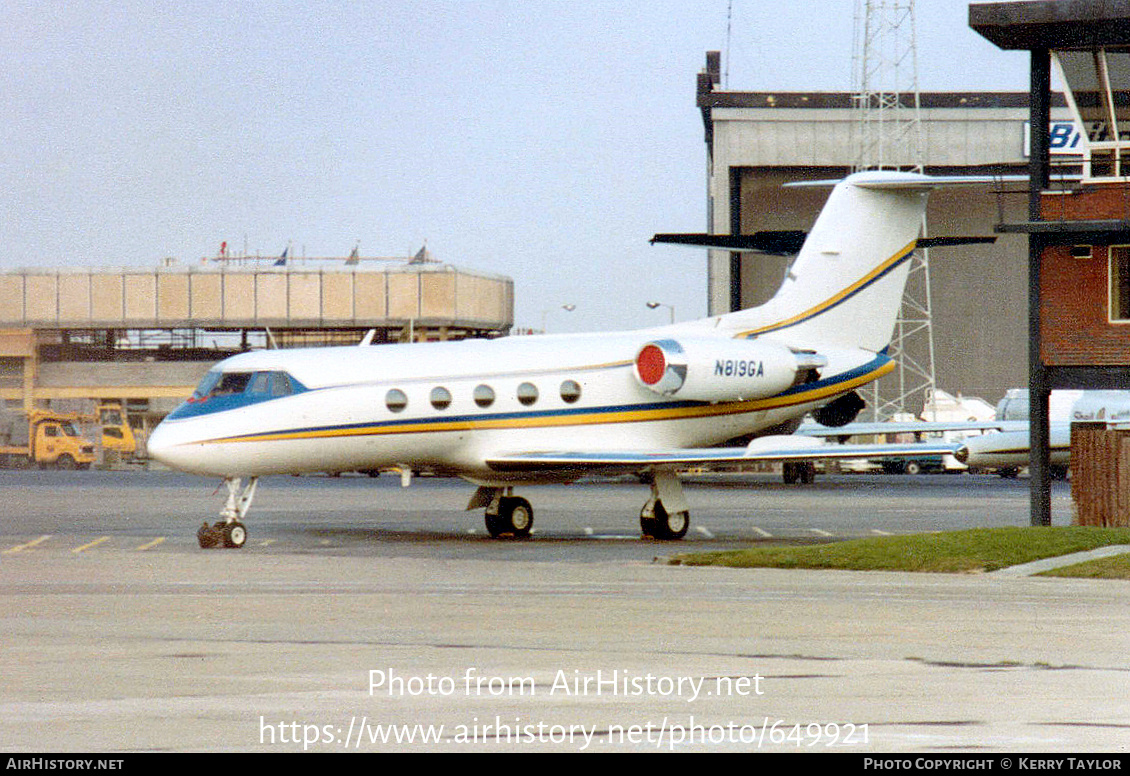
x: 763, y: 449
x: 909, y: 427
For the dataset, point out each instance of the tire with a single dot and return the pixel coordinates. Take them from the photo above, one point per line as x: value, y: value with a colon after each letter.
x: 515, y: 518
x: 207, y: 537
x: 648, y: 526
x: 670, y: 527
x: 66, y: 462
x: 234, y: 534
x: 913, y: 467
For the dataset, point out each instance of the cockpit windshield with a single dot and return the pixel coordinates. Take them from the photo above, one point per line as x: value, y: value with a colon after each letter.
x: 261, y: 384
x: 221, y: 390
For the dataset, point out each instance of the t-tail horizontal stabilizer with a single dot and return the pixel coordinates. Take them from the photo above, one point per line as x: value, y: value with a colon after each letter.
x: 788, y: 243
x: 777, y: 243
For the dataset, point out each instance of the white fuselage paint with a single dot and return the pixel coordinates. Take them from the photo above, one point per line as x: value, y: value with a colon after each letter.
x: 342, y: 422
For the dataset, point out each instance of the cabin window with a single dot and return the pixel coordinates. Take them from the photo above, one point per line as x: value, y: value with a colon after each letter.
x: 1120, y: 283
x: 441, y: 398
x: 527, y: 393
x: 570, y: 391
x: 483, y: 395
x: 396, y: 400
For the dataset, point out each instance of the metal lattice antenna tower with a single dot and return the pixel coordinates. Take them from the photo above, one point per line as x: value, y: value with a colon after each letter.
x: 889, y: 137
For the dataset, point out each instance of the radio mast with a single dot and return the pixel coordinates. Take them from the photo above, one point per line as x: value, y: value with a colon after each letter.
x: 889, y: 137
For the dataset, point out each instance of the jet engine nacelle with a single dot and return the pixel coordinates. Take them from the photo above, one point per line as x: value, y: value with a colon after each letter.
x: 719, y: 369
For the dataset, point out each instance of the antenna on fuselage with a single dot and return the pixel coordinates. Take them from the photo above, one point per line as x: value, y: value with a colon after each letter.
x: 271, y: 344
x: 367, y: 340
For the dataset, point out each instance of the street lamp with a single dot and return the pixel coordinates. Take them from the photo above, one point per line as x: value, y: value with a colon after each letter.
x: 545, y: 314
x: 671, y: 307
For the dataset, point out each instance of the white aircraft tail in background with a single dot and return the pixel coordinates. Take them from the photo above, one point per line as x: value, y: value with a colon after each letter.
x: 518, y: 410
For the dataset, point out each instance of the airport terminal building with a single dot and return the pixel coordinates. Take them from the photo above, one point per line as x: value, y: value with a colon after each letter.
x: 146, y: 336
x: 756, y: 141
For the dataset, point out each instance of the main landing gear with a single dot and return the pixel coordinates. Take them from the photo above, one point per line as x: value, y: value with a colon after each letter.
x: 229, y: 530
x: 803, y: 472
x: 665, y: 516
x: 506, y: 514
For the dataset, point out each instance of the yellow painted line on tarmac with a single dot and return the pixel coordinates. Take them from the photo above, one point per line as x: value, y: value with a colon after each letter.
x: 90, y: 545
x: 27, y: 545
x: 152, y: 544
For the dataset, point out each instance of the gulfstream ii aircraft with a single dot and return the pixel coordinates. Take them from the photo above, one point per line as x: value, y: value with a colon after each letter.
x: 508, y: 412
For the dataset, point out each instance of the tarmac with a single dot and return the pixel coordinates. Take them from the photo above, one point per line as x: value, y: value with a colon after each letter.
x: 112, y: 651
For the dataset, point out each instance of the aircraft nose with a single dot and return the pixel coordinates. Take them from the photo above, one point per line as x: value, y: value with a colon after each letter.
x: 157, y: 445
x: 160, y: 445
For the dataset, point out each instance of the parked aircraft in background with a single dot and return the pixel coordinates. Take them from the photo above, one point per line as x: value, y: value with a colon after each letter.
x: 508, y: 412
x: 1007, y: 452
x: 1002, y: 445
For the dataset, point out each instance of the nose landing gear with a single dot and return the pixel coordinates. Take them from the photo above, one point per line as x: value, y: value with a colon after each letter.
x: 229, y: 530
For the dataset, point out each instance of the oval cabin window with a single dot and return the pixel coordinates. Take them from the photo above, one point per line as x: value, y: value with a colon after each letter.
x: 396, y: 400
x: 484, y: 395
x: 527, y: 393
x: 570, y: 391
x: 441, y: 398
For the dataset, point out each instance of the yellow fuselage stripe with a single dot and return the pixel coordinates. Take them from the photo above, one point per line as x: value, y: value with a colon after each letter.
x: 544, y: 421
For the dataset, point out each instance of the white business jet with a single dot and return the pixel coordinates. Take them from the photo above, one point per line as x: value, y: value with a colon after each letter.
x: 520, y: 410
x: 1008, y: 451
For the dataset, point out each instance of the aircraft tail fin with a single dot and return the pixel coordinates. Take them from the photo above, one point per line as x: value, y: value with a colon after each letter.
x: 846, y: 285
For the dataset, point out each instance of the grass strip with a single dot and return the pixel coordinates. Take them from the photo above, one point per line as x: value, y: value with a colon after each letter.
x: 1114, y: 567
x: 978, y: 549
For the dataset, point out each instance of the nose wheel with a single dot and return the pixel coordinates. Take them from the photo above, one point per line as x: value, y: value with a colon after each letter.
x: 232, y: 535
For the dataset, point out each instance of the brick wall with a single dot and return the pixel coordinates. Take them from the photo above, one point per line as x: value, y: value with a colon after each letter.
x: 1075, y: 324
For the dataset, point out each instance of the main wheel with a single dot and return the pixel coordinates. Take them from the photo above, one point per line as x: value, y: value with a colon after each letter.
x: 515, y: 518
x: 668, y: 526
x: 235, y: 534
x: 648, y: 525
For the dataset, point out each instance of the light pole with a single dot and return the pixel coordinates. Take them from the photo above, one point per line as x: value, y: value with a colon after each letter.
x: 545, y: 314
x: 671, y: 307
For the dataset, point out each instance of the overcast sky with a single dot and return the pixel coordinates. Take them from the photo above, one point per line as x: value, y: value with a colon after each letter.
x: 545, y: 141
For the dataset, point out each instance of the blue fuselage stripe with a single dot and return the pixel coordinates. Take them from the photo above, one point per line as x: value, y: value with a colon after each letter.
x: 800, y: 394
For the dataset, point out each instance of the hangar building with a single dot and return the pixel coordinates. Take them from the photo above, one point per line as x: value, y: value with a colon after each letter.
x: 756, y: 141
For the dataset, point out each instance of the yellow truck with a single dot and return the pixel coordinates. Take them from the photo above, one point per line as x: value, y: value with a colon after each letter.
x: 117, y: 435
x: 44, y: 438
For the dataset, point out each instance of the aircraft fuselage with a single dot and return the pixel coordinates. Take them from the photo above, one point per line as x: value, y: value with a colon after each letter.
x: 450, y: 406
